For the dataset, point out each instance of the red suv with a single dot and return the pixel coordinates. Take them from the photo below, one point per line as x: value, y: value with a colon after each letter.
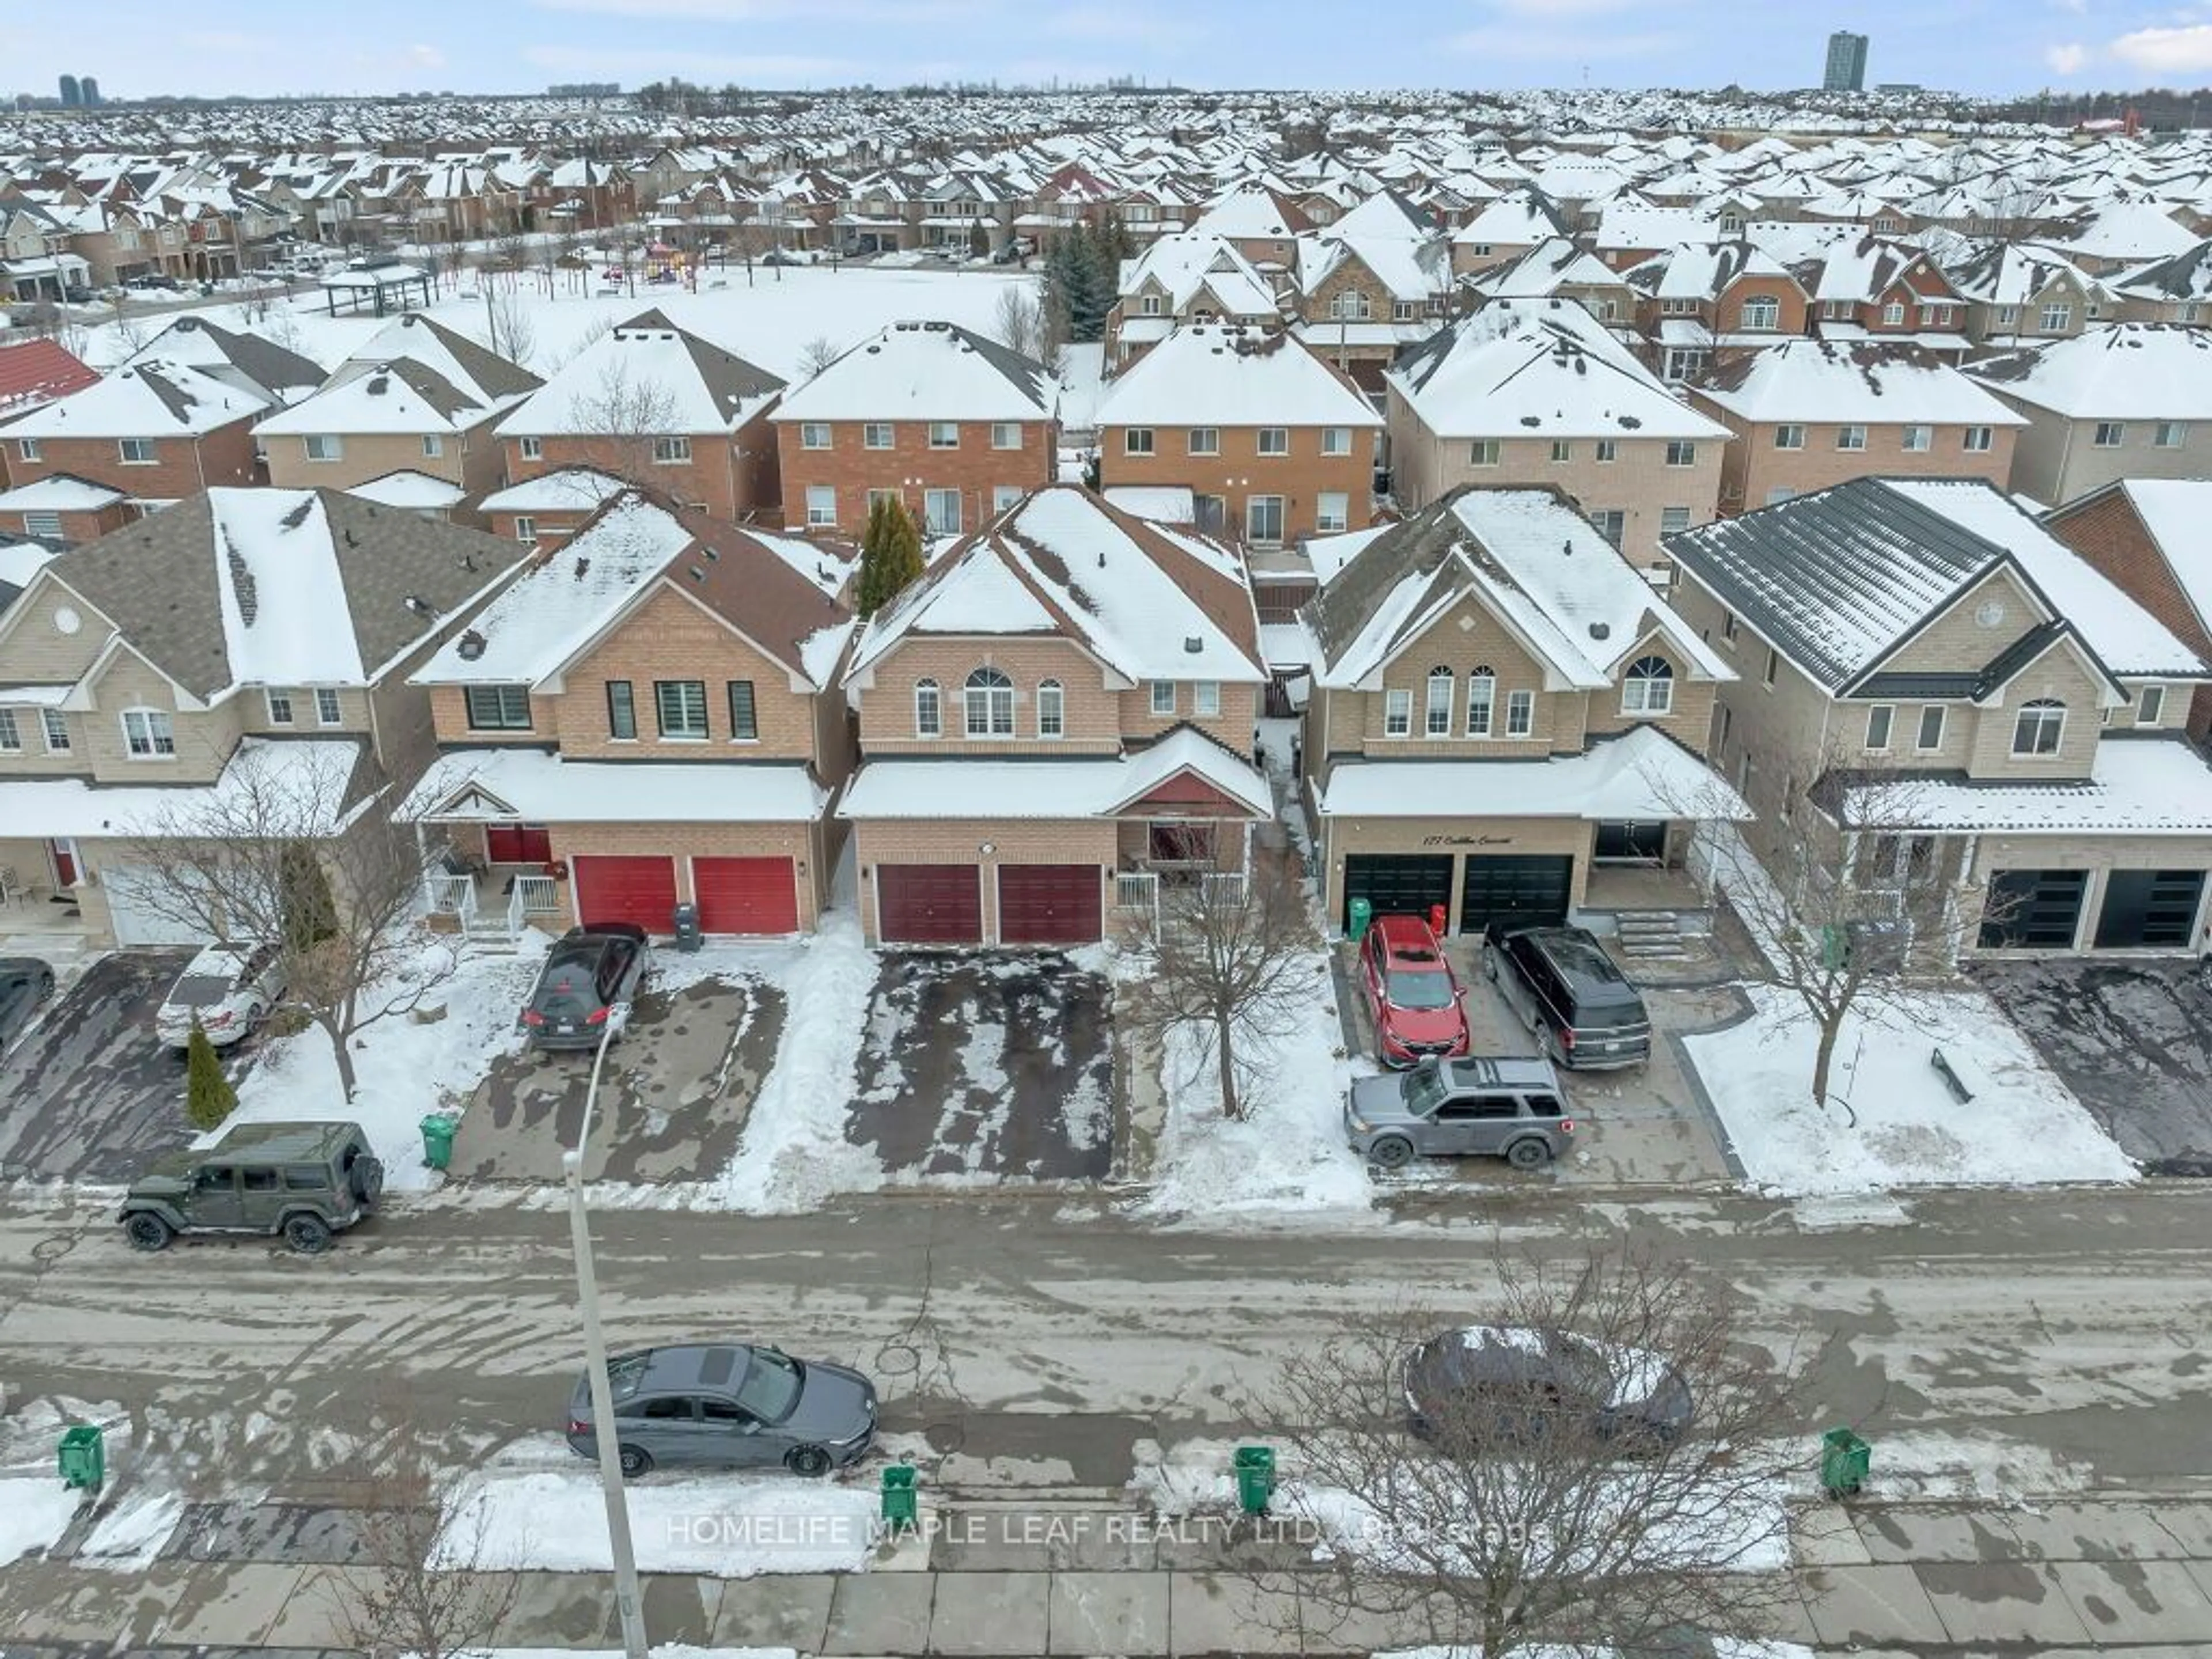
x: 1412, y: 992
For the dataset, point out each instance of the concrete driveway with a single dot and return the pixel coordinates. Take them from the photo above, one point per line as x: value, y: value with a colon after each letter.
x: 89, y: 1092
x: 991, y: 1066
x: 2133, y: 1040
x: 679, y: 1084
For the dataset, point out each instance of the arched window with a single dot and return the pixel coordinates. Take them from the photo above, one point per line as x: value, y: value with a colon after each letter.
x: 990, y: 700
x: 2041, y: 725
x: 928, y: 709
x: 1350, y: 306
x: 1051, y: 709
x: 1650, y: 687
x: 1481, y: 697
x: 1438, y: 720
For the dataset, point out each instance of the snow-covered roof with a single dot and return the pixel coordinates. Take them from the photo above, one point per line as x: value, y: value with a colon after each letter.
x: 2178, y: 513
x: 59, y: 492
x: 1050, y: 789
x: 1825, y: 381
x: 155, y: 398
x: 499, y: 784
x: 646, y: 374
x: 1641, y: 775
x: 925, y: 372
x: 2137, y: 786
x: 565, y: 489
x: 1161, y: 503
x: 66, y: 808
x: 1187, y: 263
x: 1228, y: 374
x: 2125, y: 372
x: 410, y: 489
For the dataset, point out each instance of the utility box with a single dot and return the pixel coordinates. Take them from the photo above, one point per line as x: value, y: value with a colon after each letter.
x: 687, y: 936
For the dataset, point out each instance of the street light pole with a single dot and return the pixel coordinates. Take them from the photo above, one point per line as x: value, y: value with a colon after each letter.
x: 628, y: 1599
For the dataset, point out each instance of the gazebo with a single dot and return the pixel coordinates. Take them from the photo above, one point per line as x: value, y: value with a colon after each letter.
x: 375, y: 285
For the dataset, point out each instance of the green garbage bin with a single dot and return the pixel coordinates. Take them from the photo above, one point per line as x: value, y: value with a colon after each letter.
x: 898, y: 1495
x: 1358, y: 915
x: 438, y: 1140
x: 83, y: 1456
x: 1255, y: 1478
x: 1845, y: 1460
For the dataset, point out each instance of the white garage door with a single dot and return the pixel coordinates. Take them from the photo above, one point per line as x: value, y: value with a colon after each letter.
x: 136, y: 920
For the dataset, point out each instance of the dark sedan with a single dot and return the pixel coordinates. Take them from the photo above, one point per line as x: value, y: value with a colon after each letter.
x: 729, y: 1404
x: 1494, y: 1384
x: 25, y: 983
x: 590, y: 973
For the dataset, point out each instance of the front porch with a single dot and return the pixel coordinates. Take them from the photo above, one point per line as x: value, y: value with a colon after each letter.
x: 488, y: 881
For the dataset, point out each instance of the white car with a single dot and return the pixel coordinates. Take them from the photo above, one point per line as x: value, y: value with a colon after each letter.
x: 230, y: 988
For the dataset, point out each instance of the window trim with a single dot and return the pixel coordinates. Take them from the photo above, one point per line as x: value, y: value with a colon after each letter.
x: 1927, y: 435
x: 2048, y: 713
x: 1886, y: 713
x: 622, y: 712
x: 54, y: 733
x: 809, y: 431
x: 1608, y: 450
x: 825, y: 516
x: 272, y: 697
x: 938, y: 428
x: 499, y: 722
x: 1437, y: 717
x: 1851, y: 438
x: 1130, y: 444
x: 870, y: 428
x: 1987, y: 436
x: 1483, y: 451
x: 1332, y: 520
x: 1484, y: 678
x: 1521, y: 711
x: 1649, y: 672
x: 1397, y: 711
x: 995, y: 689
x: 154, y: 735
x: 1786, y: 431
x: 1212, y: 446
x: 2119, y: 435
x: 1205, y: 700
x: 1920, y: 744
x: 1000, y: 427
x: 745, y: 723
x: 1053, y: 696
x: 1280, y: 434
x: 532, y: 449
x: 929, y: 695
x: 1329, y: 444
x: 28, y: 449
x: 333, y: 444
x: 1686, y: 447
x: 11, y: 733
x: 671, y: 450
x: 1161, y: 697
x: 2150, y: 705
x: 660, y: 724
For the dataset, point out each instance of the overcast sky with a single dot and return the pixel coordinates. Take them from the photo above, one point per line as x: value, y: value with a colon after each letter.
x: 211, y: 47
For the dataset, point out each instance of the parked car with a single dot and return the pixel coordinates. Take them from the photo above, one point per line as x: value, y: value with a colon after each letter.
x: 1513, y: 1109
x: 1493, y: 1383
x: 1570, y: 992
x: 590, y: 972
x: 1416, y: 1000
x: 228, y: 988
x: 730, y: 1405
x: 25, y: 983
x: 303, y: 1180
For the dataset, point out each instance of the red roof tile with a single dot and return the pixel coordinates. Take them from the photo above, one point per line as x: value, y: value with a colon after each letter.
x: 37, y: 372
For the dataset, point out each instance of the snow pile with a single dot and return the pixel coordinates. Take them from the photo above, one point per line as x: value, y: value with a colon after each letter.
x: 1289, y: 1153
x: 1921, y: 1467
x: 404, y: 1069
x: 1890, y: 1119
x: 35, y: 1510
x: 128, y: 1538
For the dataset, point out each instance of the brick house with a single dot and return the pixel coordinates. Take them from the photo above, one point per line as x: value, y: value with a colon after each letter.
x: 2175, y: 290
x: 1539, y: 393
x: 2133, y: 400
x: 63, y: 511
x: 1704, y: 300
x: 2017, y: 295
x: 33, y: 374
x: 647, y: 717
x: 1559, y: 270
x: 1377, y: 282
x: 1946, y: 701
x: 1867, y: 287
x: 1812, y: 413
x: 2147, y: 536
x: 1264, y: 225
x: 1054, y: 720
x: 154, y: 671
x: 1274, y: 443
x: 156, y: 430
x: 544, y: 510
x: 1505, y: 230
x: 1502, y: 709
x: 1187, y: 277
x: 954, y: 425
x: 661, y: 406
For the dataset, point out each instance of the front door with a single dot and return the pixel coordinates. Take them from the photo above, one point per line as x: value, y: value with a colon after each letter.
x: 63, y: 855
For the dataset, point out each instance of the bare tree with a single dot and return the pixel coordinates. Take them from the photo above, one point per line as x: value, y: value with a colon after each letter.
x: 596, y: 331
x: 1603, y: 1459
x: 1019, y: 321
x: 1232, y: 962
x: 817, y: 355
x: 284, y: 851
x: 513, y: 335
x: 620, y: 423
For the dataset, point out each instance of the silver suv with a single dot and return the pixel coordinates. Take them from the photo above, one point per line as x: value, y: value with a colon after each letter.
x: 1512, y: 1108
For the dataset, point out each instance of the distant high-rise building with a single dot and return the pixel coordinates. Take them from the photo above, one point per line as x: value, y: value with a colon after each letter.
x: 1846, y: 62
x: 90, y: 88
x: 72, y: 94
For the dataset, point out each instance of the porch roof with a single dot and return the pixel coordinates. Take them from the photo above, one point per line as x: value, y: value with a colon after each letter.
x: 1640, y: 775
x: 2136, y: 786
x: 316, y: 770
x: 1049, y: 788
x: 471, y: 785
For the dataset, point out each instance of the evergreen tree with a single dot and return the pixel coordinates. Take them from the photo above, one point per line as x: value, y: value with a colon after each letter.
x: 1093, y: 278
x: 310, y: 911
x: 891, y: 555
x: 209, y: 1096
x: 979, y: 241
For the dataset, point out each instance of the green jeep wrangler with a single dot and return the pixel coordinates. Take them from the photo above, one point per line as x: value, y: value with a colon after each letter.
x: 306, y: 1181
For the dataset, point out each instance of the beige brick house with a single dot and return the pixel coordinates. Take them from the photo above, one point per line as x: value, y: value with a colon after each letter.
x: 1935, y: 695
x: 648, y: 718
x: 1055, y: 722
x: 1505, y: 718
x: 1186, y: 277
x: 245, y: 637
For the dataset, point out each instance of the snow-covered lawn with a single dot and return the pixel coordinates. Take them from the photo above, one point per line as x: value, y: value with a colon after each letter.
x: 35, y: 1510
x: 1891, y: 1119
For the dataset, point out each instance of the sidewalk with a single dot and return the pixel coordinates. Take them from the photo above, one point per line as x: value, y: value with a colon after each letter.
x: 2093, y: 1575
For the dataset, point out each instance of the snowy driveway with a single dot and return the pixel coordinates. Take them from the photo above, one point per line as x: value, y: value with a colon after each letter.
x: 988, y: 1067
x: 2132, y: 1039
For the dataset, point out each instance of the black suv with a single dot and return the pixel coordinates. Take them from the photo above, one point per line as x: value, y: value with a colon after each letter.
x: 305, y: 1181
x: 1568, y: 991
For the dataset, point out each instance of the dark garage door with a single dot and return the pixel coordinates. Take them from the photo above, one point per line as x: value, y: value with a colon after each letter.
x: 2032, y: 910
x: 639, y: 889
x: 1050, y: 904
x: 2149, y: 909
x: 929, y: 903
x: 1527, y: 886
x: 746, y: 895
x: 1397, y: 884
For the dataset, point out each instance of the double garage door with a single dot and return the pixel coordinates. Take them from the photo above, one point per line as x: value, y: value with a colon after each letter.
x: 1535, y: 887
x: 2041, y: 909
x: 942, y: 904
x: 735, y: 896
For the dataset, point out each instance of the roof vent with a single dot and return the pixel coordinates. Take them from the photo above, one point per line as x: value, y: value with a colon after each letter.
x: 471, y: 646
x: 379, y: 384
x: 298, y: 515
x: 1193, y: 644
x: 697, y: 575
x: 1601, y: 630
x: 1567, y: 547
x: 583, y: 564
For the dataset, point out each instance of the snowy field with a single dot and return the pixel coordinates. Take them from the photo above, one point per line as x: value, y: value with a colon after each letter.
x: 1891, y: 1119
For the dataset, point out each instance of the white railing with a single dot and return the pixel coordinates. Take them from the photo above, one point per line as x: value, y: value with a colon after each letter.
x: 514, y: 910
x: 540, y: 895
x: 452, y: 895
x: 1223, y: 888
x: 1137, y: 893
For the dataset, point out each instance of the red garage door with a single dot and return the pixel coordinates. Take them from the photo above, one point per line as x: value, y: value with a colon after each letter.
x: 639, y: 889
x: 746, y: 895
x: 1049, y: 904
x: 929, y: 903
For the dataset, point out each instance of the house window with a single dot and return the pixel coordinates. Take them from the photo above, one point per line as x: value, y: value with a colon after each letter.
x: 1336, y: 440
x: 2007, y: 315
x: 1893, y: 314
x: 1918, y: 440
x: 940, y: 512
x: 1005, y: 434
x: 1481, y: 693
x: 821, y: 504
x: 1051, y: 709
x: 1650, y: 687
x: 1681, y: 452
x: 1851, y: 437
x: 11, y: 736
x: 622, y: 712
x: 1611, y: 523
x: 1180, y: 843
x: 1931, y: 727
x: 2109, y: 434
x: 1563, y: 450
x: 2056, y: 318
x: 1205, y: 440
x: 814, y: 435
x: 944, y: 434
x: 1790, y: 437
x: 1934, y: 316
x: 1205, y: 699
x: 434, y: 446
x: 1879, y: 720
x: 1608, y: 450
x: 744, y: 717
x: 1729, y: 626
x: 1483, y: 452
x: 1520, y: 714
x: 27, y: 448
x: 1331, y: 511
x: 1401, y: 311
x: 672, y: 452
x: 1762, y: 314
x: 1350, y: 306
x: 1774, y: 667
x: 1979, y: 439
x: 2169, y: 434
x: 533, y: 449
x: 1137, y: 441
x: 928, y: 709
x: 1263, y: 520
x: 1004, y: 497
x: 56, y: 732
x: 321, y: 447
x: 148, y: 734
x: 1673, y: 520
x: 990, y: 704
x: 1397, y: 714
x: 2150, y: 704
x: 280, y: 707
x: 526, y: 530
x: 48, y: 524
x: 1274, y: 441
x: 499, y: 708
x: 680, y: 708
x: 1164, y: 697
x: 2038, y: 729
x: 876, y: 435
x: 1436, y: 721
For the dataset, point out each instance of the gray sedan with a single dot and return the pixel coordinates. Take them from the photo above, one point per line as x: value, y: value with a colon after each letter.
x: 731, y: 1406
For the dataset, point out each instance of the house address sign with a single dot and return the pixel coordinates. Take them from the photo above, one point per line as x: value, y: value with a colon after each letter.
x: 1466, y: 840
